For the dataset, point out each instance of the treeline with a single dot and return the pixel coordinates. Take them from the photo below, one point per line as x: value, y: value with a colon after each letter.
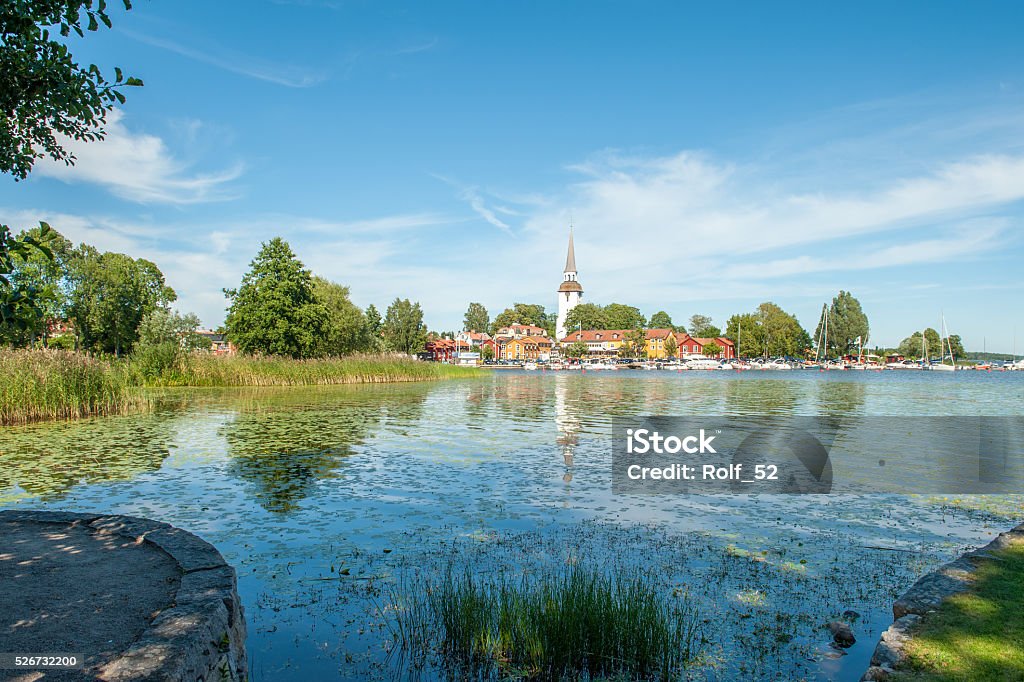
x: 768, y: 330
x: 81, y: 298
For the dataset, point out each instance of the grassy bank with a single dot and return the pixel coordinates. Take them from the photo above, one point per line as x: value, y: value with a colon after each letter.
x: 38, y: 385
x: 567, y: 624
x: 977, y: 635
x: 208, y: 370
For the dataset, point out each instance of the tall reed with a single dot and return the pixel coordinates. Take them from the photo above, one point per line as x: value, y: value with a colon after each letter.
x: 552, y: 625
x: 58, y: 384
x: 207, y: 370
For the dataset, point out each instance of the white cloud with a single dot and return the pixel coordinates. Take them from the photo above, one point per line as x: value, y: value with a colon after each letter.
x: 138, y: 167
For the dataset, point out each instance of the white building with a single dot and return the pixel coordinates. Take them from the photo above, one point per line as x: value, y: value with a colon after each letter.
x: 570, y: 293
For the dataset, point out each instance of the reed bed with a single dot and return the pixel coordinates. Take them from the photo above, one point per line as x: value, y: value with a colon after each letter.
x: 37, y: 385
x: 40, y: 385
x: 553, y: 625
x: 240, y: 370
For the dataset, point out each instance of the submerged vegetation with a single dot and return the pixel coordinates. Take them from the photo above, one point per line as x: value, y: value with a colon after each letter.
x: 37, y: 385
x: 556, y: 624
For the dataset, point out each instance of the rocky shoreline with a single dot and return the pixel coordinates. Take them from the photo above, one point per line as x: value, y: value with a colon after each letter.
x: 925, y: 596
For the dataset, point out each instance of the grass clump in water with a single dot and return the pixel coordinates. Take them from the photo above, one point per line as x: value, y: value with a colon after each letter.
x: 58, y: 384
x: 553, y: 625
x: 977, y: 635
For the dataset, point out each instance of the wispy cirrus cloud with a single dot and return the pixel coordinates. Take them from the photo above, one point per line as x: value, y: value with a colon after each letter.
x: 287, y: 75
x: 472, y: 196
x: 139, y: 167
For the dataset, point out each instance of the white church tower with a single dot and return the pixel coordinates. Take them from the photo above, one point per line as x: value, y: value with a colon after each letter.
x: 570, y: 293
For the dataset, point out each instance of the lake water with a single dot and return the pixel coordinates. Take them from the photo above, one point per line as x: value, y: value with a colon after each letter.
x: 323, y: 497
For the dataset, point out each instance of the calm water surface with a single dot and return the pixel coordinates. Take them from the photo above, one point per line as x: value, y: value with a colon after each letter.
x: 323, y: 498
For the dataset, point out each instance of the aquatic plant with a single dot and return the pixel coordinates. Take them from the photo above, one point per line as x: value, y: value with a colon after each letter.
x: 554, y: 624
x: 58, y: 384
x: 203, y: 369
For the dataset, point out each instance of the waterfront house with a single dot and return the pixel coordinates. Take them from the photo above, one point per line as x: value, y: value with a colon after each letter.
x: 657, y: 341
x: 529, y: 348
x: 690, y: 345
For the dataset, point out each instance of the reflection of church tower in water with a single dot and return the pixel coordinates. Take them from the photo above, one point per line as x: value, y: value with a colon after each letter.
x: 567, y: 424
x: 570, y: 293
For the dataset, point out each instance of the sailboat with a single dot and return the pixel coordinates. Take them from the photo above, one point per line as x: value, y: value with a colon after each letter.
x: 944, y: 344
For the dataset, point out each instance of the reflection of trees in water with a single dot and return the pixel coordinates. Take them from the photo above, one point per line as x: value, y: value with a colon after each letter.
x: 840, y: 397
x: 284, y: 445
x: 757, y: 395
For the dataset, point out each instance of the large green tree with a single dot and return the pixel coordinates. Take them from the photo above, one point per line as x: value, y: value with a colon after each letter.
x: 111, y: 293
x: 404, y: 331
x: 585, y: 316
x: 275, y: 309
x: 846, y: 322
x: 521, y: 313
x: 347, y: 330
x: 374, y: 326
x: 769, y: 331
x: 476, y: 319
x: 660, y: 320
x: 622, y: 316
x: 576, y: 349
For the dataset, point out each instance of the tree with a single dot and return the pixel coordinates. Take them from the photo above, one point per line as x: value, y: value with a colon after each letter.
x: 846, y: 322
x: 701, y: 327
x: 521, y: 313
x: 783, y: 334
x: 660, y: 320
x: 932, y: 342
x: 487, y: 352
x: 911, y: 347
x: 39, y: 278
x: 374, y: 325
x: 275, y: 309
x: 43, y: 91
x: 111, y: 293
x: 636, y: 340
x: 476, y: 318
x: 576, y: 349
x: 165, y: 338
x: 404, y: 331
x: 347, y: 330
x: 768, y: 331
x: 585, y: 316
x: 712, y: 350
x: 746, y: 332
x: 671, y: 347
x: 956, y: 345
x: 621, y: 316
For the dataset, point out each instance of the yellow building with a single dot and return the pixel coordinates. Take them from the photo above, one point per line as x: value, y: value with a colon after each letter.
x: 529, y: 348
x: 657, y: 343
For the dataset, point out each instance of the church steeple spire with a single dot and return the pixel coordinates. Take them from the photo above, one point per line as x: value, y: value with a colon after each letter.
x: 570, y: 258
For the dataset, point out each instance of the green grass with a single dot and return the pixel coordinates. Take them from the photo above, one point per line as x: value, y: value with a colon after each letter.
x: 978, y: 635
x: 551, y: 625
x: 38, y: 385
x: 241, y: 370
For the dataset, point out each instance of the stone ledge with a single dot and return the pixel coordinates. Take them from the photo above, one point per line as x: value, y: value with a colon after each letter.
x: 201, y: 636
x: 925, y: 596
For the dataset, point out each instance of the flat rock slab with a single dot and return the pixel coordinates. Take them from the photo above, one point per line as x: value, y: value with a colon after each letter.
x: 117, y: 590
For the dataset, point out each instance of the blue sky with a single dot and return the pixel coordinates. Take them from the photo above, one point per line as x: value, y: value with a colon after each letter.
x: 711, y: 156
